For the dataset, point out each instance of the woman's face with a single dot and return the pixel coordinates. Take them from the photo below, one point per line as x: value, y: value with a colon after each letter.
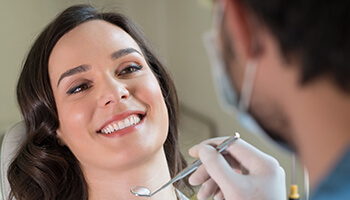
x: 110, y: 106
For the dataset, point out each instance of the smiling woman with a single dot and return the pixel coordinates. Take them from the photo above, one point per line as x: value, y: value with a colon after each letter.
x: 101, y: 113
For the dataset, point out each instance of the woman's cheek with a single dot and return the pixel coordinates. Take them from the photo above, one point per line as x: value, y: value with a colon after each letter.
x: 152, y: 90
x: 74, y: 117
x: 157, y: 103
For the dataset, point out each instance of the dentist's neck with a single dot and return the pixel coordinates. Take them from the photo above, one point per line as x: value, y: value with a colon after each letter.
x: 321, y: 127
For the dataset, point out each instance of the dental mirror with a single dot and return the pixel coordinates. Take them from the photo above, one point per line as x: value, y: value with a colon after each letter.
x: 141, y: 191
x: 145, y: 192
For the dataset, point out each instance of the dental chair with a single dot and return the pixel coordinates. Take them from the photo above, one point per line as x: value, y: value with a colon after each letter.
x: 10, y: 144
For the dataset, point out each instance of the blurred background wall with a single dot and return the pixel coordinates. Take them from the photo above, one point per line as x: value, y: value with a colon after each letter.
x: 175, y: 29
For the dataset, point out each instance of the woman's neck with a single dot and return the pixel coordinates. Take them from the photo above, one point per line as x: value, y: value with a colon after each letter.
x: 116, y: 184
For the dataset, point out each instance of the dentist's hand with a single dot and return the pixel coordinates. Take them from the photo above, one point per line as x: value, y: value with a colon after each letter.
x: 242, y: 172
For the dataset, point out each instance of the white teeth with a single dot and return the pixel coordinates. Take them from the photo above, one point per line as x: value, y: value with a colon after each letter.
x: 114, y: 126
x: 137, y: 120
x: 132, y: 121
x: 127, y: 122
x: 121, y: 125
x: 110, y: 128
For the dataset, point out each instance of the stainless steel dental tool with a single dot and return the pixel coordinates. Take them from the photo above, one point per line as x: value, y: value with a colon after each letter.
x: 145, y: 192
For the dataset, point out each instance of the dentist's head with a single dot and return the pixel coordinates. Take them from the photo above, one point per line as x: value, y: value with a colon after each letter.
x: 276, y: 59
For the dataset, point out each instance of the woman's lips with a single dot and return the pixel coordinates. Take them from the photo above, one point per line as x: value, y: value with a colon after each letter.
x: 121, y: 121
x: 119, y: 125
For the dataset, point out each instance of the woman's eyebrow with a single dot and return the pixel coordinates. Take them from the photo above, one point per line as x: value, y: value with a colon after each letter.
x: 84, y: 68
x: 124, y: 52
x: 75, y: 70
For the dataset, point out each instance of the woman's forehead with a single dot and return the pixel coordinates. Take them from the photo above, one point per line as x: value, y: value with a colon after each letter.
x: 91, y: 39
x: 97, y: 33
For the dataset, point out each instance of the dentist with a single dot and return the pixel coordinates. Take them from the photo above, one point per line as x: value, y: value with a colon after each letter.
x: 283, y: 68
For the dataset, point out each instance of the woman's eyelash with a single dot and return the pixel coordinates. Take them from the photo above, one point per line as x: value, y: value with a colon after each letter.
x: 79, y: 88
x: 84, y: 86
x: 130, y: 69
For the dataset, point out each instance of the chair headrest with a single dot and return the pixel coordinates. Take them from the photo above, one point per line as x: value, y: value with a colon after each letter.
x: 12, y: 140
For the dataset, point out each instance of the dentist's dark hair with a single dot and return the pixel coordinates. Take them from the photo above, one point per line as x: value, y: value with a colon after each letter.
x: 44, y: 169
x: 316, y: 32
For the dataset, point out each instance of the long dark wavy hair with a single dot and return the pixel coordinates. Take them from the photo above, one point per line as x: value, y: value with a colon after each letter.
x: 43, y: 169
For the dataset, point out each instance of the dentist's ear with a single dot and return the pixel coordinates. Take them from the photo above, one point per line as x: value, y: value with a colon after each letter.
x: 244, y: 28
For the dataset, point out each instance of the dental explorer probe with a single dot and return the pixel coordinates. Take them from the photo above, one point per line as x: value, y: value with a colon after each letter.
x: 145, y: 192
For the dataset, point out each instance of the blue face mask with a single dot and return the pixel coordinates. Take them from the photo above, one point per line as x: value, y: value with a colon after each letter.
x: 226, y: 93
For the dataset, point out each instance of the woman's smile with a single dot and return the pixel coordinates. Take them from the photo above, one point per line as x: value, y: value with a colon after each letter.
x: 125, y: 122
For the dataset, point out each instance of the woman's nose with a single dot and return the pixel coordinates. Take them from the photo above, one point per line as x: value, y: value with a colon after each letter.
x: 112, y: 92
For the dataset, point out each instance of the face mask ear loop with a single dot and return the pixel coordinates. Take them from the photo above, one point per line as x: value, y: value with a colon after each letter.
x: 218, y: 16
x: 247, y: 86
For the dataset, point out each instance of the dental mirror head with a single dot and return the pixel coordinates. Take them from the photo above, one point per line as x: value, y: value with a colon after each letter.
x: 141, y: 191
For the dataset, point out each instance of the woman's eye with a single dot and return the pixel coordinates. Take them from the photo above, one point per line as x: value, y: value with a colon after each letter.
x: 130, y: 69
x: 79, y: 88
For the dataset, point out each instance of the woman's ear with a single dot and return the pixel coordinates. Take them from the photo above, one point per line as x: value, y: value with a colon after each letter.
x: 59, y: 138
